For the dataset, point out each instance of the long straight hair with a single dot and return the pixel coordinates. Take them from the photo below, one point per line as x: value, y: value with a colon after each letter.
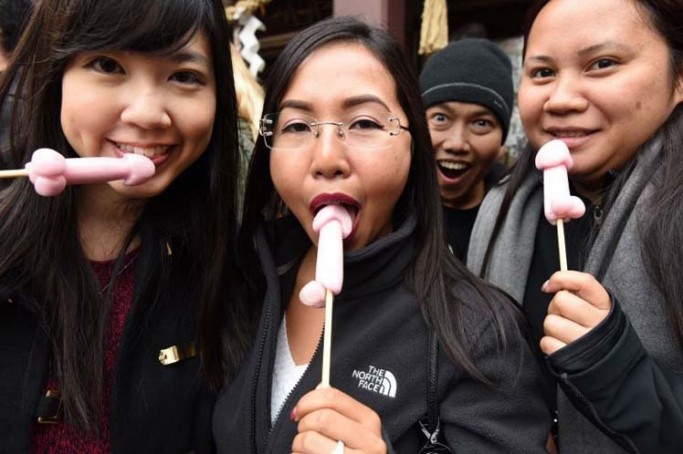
x: 195, y: 215
x: 662, y: 226
x: 433, y: 270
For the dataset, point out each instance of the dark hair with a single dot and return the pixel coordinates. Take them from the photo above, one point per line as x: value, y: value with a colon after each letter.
x: 14, y: 15
x: 663, y: 225
x: 433, y: 270
x: 195, y: 215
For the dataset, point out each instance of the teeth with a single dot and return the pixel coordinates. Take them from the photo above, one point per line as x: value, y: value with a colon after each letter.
x: 568, y: 134
x: 147, y: 152
x: 452, y: 165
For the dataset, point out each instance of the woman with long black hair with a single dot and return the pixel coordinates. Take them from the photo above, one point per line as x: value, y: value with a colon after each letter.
x: 606, y: 78
x: 344, y: 125
x: 105, y: 288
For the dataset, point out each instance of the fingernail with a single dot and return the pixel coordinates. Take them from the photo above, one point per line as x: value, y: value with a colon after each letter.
x: 292, y: 415
x: 545, y: 285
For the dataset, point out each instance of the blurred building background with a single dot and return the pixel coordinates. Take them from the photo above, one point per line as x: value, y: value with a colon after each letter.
x: 278, y: 20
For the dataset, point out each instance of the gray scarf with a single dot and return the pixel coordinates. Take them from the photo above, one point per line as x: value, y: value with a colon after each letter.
x: 614, y: 259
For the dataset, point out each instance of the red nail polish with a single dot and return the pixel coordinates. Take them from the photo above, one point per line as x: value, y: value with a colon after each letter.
x: 292, y: 415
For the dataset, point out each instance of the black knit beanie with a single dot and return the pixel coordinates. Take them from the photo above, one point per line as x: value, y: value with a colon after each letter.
x: 473, y: 71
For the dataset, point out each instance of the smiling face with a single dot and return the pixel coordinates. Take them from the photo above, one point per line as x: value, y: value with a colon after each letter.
x: 466, y: 139
x: 359, y: 90
x: 597, y: 76
x: 125, y: 102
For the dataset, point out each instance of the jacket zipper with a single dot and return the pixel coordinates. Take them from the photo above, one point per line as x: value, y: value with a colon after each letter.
x: 597, y: 215
x: 257, y: 373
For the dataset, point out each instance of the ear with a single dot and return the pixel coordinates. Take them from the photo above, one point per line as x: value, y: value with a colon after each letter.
x: 678, y: 93
x: 3, y: 58
x: 503, y: 155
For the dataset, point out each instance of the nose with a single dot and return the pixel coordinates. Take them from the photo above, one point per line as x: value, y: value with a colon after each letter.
x: 565, y: 97
x: 329, y: 158
x: 145, y: 107
x: 456, y: 139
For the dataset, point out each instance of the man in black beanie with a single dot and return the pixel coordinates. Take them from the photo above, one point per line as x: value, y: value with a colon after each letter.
x: 468, y: 94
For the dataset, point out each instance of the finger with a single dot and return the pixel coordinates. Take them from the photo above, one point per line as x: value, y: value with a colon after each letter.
x: 582, y: 284
x: 338, y: 416
x: 336, y: 426
x: 576, y: 309
x: 563, y: 329
x: 342, y: 403
x: 313, y: 443
x: 550, y: 345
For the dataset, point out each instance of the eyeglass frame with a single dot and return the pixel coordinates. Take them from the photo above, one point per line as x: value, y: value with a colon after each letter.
x: 316, y: 129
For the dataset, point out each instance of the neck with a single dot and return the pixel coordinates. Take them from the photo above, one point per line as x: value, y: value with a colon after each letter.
x: 105, y: 220
x: 592, y: 189
x: 304, y: 323
x: 471, y: 199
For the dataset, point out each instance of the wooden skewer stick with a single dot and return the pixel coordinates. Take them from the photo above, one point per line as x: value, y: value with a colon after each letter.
x: 327, y: 338
x: 13, y: 173
x: 561, y: 245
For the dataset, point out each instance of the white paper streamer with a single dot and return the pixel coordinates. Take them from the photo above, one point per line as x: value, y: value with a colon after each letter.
x: 250, y: 45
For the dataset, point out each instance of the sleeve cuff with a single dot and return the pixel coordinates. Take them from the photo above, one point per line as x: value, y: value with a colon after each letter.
x: 589, y: 349
x: 600, y: 364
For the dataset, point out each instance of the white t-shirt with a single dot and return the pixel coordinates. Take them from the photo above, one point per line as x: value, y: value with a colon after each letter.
x: 286, y: 374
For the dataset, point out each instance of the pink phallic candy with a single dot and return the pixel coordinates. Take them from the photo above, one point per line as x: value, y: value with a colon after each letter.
x: 554, y: 160
x: 50, y: 172
x: 313, y: 294
x: 333, y: 223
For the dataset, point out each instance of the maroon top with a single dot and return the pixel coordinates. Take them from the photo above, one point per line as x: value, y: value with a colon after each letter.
x: 64, y: 438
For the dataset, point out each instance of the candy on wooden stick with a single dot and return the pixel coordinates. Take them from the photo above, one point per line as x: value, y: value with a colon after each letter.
x: 559, y: 206
x: 50, y: 172
x: 333, y: 223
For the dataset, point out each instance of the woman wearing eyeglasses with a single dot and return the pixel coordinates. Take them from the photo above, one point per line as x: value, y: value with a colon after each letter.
x: 345, y: 125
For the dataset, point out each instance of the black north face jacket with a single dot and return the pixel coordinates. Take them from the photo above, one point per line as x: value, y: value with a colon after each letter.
x: 379, y: 357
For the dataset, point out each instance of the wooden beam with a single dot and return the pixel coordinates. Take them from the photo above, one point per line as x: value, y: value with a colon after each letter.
x: 378, y: 12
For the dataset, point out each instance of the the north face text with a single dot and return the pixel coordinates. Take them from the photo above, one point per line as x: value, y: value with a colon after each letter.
x: 376, y: 380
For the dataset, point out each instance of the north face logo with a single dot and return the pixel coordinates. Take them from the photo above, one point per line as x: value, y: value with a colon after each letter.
x: 376, y: 380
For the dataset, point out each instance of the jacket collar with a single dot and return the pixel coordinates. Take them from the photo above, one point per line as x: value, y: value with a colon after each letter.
x: 372, y: 268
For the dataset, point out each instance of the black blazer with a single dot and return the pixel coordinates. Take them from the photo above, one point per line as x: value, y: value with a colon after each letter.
x: 155, y: 408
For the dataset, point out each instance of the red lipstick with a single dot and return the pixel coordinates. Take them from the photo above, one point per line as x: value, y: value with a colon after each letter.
x: 352, y: 206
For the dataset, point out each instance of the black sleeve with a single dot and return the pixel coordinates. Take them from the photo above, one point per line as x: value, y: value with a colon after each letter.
x: 618, y: 386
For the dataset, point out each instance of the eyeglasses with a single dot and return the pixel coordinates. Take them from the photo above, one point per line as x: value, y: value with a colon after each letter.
x: 293, y: 131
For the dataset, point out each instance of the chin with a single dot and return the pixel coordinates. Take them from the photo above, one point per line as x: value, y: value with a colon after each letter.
x: 146, y: 190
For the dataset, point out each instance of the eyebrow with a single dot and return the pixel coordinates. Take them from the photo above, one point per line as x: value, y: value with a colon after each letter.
x: 363, y: 99
x: 347, y: 103
x: 539, y: 58
x: 585, y: 51
x: 483, y: 111
x: 601, y: 46
x: 188, y: 56
x: 476, y: 109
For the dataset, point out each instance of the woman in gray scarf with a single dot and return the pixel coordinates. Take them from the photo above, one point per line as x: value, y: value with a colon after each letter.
x: 606, y: 78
